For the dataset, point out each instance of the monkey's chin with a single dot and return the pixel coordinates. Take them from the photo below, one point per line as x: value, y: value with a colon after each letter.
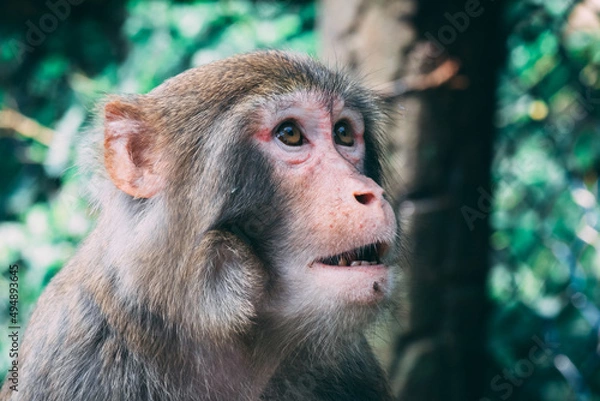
x: 362, y: 285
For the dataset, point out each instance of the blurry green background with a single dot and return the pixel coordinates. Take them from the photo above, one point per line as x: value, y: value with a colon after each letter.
x: 545, y: 218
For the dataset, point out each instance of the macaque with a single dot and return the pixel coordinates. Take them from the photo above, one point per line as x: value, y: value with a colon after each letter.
x: 243, y: 246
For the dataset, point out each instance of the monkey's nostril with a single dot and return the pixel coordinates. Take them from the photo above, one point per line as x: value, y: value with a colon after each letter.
x: 365, y: 198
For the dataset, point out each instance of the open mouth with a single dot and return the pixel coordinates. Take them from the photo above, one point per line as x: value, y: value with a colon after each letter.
x: 367, y: 255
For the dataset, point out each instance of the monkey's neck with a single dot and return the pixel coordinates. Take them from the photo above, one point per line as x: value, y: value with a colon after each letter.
x: 231, y: 372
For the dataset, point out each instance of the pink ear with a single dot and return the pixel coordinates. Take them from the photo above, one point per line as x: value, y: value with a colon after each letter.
x: 129, y: 154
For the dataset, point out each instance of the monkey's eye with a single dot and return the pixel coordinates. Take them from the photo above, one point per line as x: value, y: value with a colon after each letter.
x: 343, y: 134
x: 289, y: 133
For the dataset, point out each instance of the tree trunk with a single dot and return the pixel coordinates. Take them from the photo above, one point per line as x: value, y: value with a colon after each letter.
x: 439, y: 60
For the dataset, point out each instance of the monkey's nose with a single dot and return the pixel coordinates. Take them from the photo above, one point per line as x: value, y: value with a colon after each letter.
x: 364, y: 198
x: 366, y: 191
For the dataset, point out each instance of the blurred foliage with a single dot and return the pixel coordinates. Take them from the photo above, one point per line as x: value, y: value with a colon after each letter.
x: 49, y: 91
x: 546, y: 218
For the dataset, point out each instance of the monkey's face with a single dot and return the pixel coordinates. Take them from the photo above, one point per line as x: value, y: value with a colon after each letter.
x: 261, y: 176
x: 341, y: 225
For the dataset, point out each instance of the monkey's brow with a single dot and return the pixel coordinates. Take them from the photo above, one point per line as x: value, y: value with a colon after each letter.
x: 323, y: 100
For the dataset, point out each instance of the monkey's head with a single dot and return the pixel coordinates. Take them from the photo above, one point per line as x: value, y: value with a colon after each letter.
x: 269, y: 163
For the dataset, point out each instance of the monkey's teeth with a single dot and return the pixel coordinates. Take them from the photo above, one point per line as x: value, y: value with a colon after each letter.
x: 362, y: 263
x: 368, y: 255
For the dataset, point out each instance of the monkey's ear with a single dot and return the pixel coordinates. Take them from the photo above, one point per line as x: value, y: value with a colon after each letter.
x: 130, y: 156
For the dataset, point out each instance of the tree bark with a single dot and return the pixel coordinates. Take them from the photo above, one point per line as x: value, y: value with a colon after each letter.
x: 439, y: 60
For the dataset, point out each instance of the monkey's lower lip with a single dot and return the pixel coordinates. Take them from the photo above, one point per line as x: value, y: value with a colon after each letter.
x: 368, y: 255
x: 362, y: 285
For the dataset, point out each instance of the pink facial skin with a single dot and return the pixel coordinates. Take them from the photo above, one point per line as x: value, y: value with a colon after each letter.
x: 342, y: 209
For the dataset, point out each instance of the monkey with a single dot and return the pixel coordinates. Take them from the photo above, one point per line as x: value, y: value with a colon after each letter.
x: 244, y: 244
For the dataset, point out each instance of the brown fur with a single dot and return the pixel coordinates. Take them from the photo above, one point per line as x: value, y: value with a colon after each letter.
x: 174, y: 296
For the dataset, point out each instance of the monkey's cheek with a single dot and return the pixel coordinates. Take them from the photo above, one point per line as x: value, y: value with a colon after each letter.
x: 363, y: 285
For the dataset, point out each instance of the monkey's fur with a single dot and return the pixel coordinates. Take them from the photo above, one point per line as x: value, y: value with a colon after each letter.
x: 181, y: 291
